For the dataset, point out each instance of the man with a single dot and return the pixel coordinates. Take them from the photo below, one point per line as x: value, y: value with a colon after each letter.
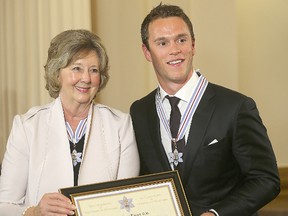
x: 227, y: 164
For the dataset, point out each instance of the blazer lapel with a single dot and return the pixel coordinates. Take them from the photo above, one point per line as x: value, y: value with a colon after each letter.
x: 56, y: 167
x: 59, y: 146
x: 197, y: 131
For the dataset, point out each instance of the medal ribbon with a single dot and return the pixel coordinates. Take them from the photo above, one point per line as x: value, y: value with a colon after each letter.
x: 189, y: 112
x: 80, y: 131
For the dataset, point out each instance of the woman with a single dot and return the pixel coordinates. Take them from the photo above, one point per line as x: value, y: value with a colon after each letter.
x: 71, y: 141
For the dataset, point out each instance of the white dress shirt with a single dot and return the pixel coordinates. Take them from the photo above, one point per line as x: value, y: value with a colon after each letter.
x: 185, y: 94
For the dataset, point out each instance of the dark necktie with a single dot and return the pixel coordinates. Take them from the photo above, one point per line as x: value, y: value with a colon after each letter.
x: 175, y: 117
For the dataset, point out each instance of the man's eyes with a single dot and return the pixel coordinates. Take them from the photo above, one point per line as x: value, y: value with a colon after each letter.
x: 178, y: 41
x: 162, y: 43
x: 182, y: 40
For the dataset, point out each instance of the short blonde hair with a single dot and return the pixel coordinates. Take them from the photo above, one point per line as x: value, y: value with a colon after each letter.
x: 66, y: 48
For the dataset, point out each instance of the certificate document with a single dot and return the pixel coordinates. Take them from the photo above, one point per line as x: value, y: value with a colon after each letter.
x: 154, y: 195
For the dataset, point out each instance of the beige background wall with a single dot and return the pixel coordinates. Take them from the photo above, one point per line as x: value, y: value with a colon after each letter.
x: 241, y: 44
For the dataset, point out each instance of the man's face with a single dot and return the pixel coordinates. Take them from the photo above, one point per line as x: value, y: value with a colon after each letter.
x: 171, y: 52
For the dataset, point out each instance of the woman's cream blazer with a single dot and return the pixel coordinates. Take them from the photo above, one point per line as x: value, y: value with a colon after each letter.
x: 38, y: 160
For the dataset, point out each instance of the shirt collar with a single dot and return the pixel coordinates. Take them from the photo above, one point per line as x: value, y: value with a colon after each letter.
x: 185, y: 93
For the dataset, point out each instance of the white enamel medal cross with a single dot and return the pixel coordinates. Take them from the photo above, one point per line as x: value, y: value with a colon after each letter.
x: 76, y: 157
x: 175, y: 157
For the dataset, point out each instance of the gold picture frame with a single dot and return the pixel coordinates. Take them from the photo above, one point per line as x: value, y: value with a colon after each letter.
x: 155, y: 194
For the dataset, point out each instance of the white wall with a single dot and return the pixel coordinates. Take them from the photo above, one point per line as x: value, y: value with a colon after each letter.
x: 262, y: 47
x: 241, y: 44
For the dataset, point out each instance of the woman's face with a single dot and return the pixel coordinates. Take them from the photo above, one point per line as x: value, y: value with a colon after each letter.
x: 80, y: 80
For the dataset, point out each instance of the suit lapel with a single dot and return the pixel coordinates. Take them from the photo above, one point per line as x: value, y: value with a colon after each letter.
x: 161, y: 162
x: 197, y: 131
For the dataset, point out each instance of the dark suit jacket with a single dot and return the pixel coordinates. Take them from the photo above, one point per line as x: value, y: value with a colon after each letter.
x: 235, y: 176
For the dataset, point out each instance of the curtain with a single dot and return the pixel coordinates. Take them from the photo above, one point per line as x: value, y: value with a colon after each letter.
x: 26, y: 28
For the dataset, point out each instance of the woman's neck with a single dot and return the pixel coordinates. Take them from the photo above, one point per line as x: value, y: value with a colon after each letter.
x: 73, y: 115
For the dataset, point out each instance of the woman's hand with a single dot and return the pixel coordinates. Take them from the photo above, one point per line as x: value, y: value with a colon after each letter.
x: 52, y: 204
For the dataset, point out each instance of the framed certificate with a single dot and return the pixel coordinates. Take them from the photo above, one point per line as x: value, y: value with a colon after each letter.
x: 158, y: 194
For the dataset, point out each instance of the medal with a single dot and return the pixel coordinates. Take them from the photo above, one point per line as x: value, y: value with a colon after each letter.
x: 175, y: 157
x: 76, y: 157
x: 74, y: 138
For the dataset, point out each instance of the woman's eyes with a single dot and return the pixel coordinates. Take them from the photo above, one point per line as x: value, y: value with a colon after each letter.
x: 78, y: 69
x: 94, y: 70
